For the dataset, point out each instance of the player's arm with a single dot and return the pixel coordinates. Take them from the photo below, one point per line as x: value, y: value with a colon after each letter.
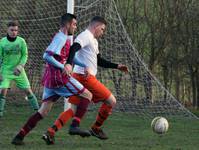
x: 108, y: 64
x: 1, y: 59
x: 48, y: 57
x: 24, y: 57
x: 24, y: 53
x: 105, y: 63
x: 73, y: 49
x: 81, y: 41
x: 55, y: 49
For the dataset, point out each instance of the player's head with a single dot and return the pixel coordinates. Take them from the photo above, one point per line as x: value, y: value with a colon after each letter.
x: 98, y: 24
x: 68, y: 22
x: 13, y: 28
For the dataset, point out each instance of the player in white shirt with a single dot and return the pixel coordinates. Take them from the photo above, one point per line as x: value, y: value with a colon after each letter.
x: 87, y: 48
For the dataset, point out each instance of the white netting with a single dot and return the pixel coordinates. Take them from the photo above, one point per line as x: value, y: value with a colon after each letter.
x: 139, y: 92
x: 39, y: 20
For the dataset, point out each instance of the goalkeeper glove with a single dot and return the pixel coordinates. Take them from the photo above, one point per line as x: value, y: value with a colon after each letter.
x: 18, y: 70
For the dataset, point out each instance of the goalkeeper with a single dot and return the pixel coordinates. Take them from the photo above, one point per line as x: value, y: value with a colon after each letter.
x: 13, y: 57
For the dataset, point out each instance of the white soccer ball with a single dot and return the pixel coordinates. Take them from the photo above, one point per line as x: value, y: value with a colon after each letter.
x: 160, y: 125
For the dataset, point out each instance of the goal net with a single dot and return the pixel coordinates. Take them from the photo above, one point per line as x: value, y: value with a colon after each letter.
x: 138, y: 92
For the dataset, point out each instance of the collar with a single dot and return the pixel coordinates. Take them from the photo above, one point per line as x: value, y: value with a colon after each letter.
x: 11, y: 39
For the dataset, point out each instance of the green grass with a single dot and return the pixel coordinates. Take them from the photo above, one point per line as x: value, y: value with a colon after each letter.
x: 125, y: 131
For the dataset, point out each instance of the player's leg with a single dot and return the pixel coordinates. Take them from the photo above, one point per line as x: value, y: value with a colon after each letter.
x: 82, y: 106
x: 48, y: 99
x: 22, y: 82
x: 63, y: 118
x: 103, y: 113
x: 73, y: 87
x: 61, y: 121
x: 83, y: 103
x: 81, y: 109
x: 2, y: 101
x: 66, y: 103
x: 100, y: 92
x: 4, y: 85
x: 32, y: 98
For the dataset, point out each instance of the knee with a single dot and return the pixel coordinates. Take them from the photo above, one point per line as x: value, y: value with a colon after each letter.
x: 43, y: 113
x: 73, y: 108
x: 88, y: 95
x: 114, y: 102
x: 111, y: 100
x: 28, y: 91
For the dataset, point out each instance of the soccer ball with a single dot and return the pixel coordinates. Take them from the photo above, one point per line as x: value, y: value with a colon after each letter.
x: 160, y: 125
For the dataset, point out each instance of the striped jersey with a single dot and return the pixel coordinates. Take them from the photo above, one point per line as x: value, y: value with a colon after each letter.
x: 59, y: 49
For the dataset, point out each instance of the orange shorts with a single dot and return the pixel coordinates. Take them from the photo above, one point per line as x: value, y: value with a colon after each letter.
x: 99, y: 91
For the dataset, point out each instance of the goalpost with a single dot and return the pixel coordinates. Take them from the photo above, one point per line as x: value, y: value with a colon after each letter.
x: 70, y: 9
x: 138, y: 92
x: 70, y: 6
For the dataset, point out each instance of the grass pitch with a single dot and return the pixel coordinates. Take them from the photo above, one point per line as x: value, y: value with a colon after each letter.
x: 125, y: 131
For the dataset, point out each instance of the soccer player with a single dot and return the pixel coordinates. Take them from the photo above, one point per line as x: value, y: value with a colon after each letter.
x: 57, y: 80
x: 88, y: 52
x: 13, y: 57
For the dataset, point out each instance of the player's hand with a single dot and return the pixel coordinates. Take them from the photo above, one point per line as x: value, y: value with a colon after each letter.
x: 18, y: 70
x: 67, y: 70
x: 87, y: 71
x: 123, y: 68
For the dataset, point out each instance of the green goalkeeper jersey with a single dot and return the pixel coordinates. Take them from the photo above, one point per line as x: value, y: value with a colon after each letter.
x: 12, y: 54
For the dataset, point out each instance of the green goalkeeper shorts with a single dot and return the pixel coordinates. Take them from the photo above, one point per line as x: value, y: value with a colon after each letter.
x: 21, y: 81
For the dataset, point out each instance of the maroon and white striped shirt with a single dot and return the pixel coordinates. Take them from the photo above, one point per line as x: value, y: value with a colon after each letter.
x: 59, y: 49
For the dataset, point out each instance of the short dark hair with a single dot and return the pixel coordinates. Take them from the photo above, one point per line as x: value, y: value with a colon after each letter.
x: 13, y: 23
x: 66, y: 18
x: 98, y: 19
